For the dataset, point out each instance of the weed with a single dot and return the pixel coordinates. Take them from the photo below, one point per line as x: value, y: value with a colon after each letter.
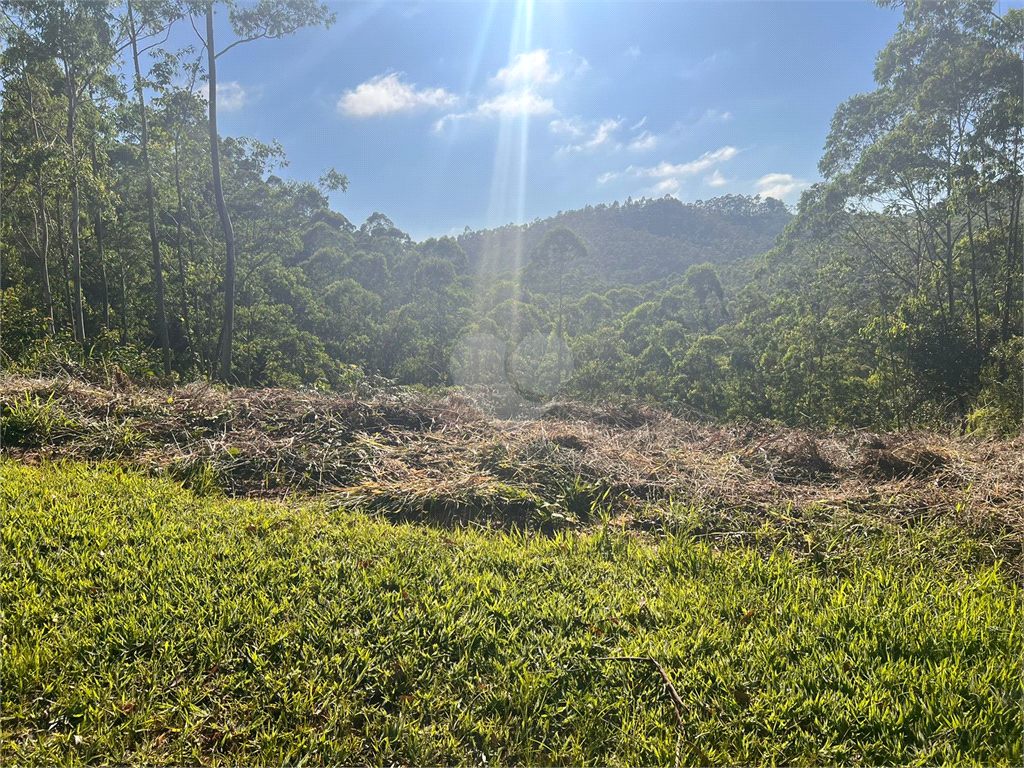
x: 29, y: 421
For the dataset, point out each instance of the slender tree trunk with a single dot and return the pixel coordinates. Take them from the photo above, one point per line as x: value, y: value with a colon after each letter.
x: 124, y: 302
x: 98, y: 228
x: 974, y: 281
x: 65, y: 269
x: 950, y: 295
x: 1012, y: 259
x: 78, y: 315
x: 228, y: 328
x: 44, y: 258
x: 158, y: 268
x: 198, y: 348
x: 178, y: 248
x: 44, y: 228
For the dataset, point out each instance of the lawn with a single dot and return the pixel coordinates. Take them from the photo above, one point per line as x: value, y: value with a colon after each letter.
x: 147, y: 624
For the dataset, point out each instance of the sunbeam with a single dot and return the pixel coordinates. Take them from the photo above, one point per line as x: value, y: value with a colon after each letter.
x: 508, y: 177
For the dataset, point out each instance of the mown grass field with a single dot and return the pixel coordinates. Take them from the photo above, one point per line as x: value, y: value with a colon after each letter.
x: 144, y: 624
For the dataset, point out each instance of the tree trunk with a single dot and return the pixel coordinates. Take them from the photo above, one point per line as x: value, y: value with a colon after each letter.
x: 185, y: 323
x: 44, y: 259
x: 228, y: 327
x: 98, y: 229
x: 68, y: 303
x: 44, y: 231
x: 77, y: 314
x: 974, y: 281
x: 124, y: 302
x: 1010, y: 288
x: 158, y: 269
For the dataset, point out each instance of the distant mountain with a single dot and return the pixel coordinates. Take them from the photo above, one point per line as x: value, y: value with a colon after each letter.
x: 641, y: 241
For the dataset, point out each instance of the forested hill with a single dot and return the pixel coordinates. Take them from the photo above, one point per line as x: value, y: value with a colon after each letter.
x: 644, y: 240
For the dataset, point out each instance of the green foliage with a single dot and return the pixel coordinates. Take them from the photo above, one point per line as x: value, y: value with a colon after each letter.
x: 1001, y: 402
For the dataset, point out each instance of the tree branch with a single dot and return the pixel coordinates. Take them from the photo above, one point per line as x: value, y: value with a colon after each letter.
x: 261, y: 36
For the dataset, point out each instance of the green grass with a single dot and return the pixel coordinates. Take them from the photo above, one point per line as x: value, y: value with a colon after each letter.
x: 143, y: 624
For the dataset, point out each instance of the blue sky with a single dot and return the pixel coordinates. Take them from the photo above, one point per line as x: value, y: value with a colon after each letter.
x: 447, y: 114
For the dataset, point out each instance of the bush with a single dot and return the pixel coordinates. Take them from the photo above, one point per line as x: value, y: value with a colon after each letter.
x: 1000, y: 405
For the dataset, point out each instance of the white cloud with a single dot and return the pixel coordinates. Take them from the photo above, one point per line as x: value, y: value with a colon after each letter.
x: 633, y: 52
x: 712, y: 115
x: 666, y: 187
x: 513, y: 104
x: 572, y: 126
x: 522, y: 104
x: 670, y: 173
x: 702, y: 163
x: 639, y: 125
x: 644, y: 142
x: 779, y: 185
x: 231, y: 96
x: 526, y: 69
x: 602, y: 135
x: 716, y: 179
x: 387, y: 94
x: 521, y: 79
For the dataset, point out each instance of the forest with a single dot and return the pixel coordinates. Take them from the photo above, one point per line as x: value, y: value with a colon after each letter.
x: 135, y: 235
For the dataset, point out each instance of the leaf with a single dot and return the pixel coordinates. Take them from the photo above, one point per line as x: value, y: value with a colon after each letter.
x: 747, y: 617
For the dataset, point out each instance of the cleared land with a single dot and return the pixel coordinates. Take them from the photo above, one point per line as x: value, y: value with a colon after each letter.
x: 814, y: 599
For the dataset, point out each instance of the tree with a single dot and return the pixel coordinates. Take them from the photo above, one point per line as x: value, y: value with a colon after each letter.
x: 76, y: 34
x: 553, y: 257
x: 703, y: 280
x: 931, y: 145
x: 155, y: 18
x: 265, y: 19
x: 30, y: 112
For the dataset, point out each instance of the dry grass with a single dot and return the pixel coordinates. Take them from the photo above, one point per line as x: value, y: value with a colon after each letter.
x: 440, y: 458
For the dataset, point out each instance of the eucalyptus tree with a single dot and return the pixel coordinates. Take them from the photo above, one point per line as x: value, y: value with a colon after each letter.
x: 76, y: 34
x: 264, y: 19
x: 154, y: 19
x: 30, y: 130
x: 703, y: 280
x: 937, y: 146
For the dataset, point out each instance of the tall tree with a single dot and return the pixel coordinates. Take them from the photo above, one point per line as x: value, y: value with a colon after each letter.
x: 265, y: 19
x: 77, y: 35
x: 30, y: 118
x: 923, y: 146
x: 156, y: 18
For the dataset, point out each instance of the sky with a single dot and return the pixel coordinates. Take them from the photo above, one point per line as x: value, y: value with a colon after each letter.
x: 451, y: 114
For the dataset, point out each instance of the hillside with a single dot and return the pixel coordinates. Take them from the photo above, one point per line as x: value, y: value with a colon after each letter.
x: 644, y: 240
x: 586, y: 586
